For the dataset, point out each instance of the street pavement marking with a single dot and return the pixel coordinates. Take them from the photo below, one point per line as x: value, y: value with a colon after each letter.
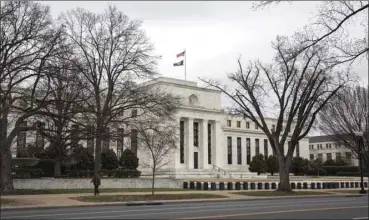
x: 361, y: 218
x: 241, y: 204
x: 83, y: 212
x: 276, y: 212
x: 201, y: 210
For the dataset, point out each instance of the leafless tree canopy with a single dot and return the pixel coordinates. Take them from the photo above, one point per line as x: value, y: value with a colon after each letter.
x: 112, y: 53
x: 75, y: 77
x: 346, y: 114
x: 331, y: 25
x: 27, y: 42
x: 298, y: 88
x: 157, y: 141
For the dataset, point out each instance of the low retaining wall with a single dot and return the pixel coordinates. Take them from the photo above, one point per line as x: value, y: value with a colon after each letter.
x: 308, y: 185
x: 51, y: 183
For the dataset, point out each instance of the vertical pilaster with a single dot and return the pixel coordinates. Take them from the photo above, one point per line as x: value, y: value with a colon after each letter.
x: 203, y: 157
x: 234, y: 150
x: 218, y: 154
x: 189, y: 144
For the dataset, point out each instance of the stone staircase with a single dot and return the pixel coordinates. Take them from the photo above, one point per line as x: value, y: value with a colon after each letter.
x: 215, y: 173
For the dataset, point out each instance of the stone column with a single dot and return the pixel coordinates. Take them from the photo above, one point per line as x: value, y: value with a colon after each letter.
x: 234, y: 150
x: 177, y: 152
x: 203, y: 157
x: 219, y: 155
x: 189, y: 144
x: 243, y: 151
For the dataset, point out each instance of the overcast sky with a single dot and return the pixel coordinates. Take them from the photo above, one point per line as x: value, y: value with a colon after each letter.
x: 214, y: 34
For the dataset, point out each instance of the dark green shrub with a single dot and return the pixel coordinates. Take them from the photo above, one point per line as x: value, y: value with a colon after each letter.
x: 109, y: 160
x: 258, y: 164
x: 272, y: 164
x: 47, y: 167
x: 128, y: 160
x: 27, y: 173
x: 355, y: 174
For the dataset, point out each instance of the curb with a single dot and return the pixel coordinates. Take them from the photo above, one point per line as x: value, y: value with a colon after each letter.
x: 144, y: 203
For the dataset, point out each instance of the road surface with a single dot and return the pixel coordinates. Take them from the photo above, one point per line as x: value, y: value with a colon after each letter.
x: 293, y: 208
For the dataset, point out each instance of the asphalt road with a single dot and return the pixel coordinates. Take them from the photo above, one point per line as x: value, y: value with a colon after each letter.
x: 293, y: 208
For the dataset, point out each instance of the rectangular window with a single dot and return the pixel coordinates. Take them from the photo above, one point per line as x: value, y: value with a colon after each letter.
x: 338, y: 156
x: 248, y: 150
x: 247, y: 125
x: 312, y: 146
x: 106, y: 139
x: 266, y: 149
x: 134, y: 141
x: 22, y: 138
x: 181, y: 141
x: 239, y: 156
x: 298, y: 149
x: 238, y: 124
x: 229, y: 149
x: 329, y: 156
x: 73, y: 135
x: 320, y: 157
x: 120, y: 139
x: 311, y: 156
x: 40, y: 139
x: 273, y: 128
x: 209, y: 143
x: 90, y: 139
x: 256, y: 126
x: 326, y: 146
x: 257, y: 147
x: 229, y: 123
x: 348, y: 156
x: 196, y: 134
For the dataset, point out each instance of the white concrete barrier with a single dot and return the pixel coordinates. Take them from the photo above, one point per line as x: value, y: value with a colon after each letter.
x: 83, y: 183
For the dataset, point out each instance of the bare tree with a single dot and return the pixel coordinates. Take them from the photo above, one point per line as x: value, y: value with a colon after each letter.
x: 157, y: 141
x: 64, y: 126
x: 27, y: 41
x: 344, y: 115
x: 296, y: 89
x: 113, y: 53
x: 330, y: 26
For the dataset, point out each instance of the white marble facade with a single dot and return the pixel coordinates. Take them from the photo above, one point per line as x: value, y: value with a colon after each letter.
x: 202, y: 108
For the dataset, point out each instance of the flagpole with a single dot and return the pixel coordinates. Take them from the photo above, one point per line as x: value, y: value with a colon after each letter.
x: 185, y: 54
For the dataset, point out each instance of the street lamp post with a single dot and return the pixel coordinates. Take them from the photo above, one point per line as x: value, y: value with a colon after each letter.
x: 359, y: 138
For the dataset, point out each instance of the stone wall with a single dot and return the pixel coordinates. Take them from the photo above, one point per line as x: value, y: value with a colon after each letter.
x: 51, y: 183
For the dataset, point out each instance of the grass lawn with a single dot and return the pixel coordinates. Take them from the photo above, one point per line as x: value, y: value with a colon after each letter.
x: 91, y: 190
x: 275, y: 193
x: 130, y: 198
x: 7, y: 202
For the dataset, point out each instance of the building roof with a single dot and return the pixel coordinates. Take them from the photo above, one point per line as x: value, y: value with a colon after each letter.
x: 323, y: 138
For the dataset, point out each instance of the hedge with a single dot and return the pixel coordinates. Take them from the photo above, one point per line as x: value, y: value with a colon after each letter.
x: 21, y: 173
x: 47, y: 167
x: 355, y: 174
x: 334, y: 170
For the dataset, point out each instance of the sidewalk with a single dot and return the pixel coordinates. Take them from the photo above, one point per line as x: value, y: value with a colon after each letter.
x: 63, y: 200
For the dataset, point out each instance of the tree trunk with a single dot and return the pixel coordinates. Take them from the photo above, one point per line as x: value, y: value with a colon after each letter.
x: 97, y: 167
x: 153, y: 181
x: 284, y: 175
x: 57, y: 169
x: 6, y: 179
